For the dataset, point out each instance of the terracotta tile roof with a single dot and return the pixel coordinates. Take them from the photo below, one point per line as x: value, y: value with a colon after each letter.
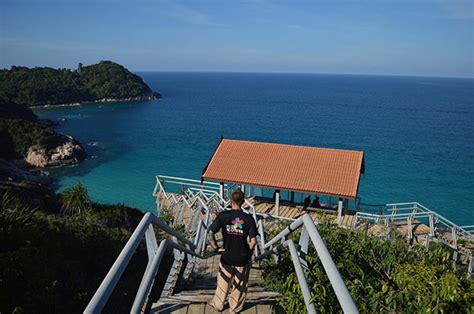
x: 316, y: 170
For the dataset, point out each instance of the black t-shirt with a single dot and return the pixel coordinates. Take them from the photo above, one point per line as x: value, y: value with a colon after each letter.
x: 236, y: 227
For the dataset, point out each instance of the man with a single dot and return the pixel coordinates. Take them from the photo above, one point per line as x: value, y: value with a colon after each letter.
x: 239, y: 233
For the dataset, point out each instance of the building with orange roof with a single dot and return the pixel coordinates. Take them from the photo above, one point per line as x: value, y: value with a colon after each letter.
x: 310, y: 170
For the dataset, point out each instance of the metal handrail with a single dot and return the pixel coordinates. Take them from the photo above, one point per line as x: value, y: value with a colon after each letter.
x: 110, y: 281
x: 411, y: 207
x: 266, y: 248
x: 409, y: 211
x: 198, y: 202
x: 144, y: 229
x: 342, y: 293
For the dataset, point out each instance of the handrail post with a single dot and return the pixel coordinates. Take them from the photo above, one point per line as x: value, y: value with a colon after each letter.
x: 110, y: 281
x: 301, y: 277
x: 432, y: 227
x: 151, y: 245
x: 342, y: 293
x: 409, y: 228
x: 303, y: 243
x: 148, y: 279
x: 455, y: 243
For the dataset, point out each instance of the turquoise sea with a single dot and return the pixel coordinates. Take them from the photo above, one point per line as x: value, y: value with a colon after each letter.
x: 417, y: 133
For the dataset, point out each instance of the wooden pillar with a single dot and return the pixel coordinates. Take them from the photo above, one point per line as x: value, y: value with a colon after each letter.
x: 339, y: 211
x: 242, y: 187
x: 277, y: 202
x: 292, y: 197
x: 221, y: 189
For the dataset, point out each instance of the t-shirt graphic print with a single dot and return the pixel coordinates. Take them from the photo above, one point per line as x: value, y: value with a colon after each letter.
x: 236, y: 227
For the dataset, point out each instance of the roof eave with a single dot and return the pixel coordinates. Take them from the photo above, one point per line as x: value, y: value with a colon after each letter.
x: 279, y: 188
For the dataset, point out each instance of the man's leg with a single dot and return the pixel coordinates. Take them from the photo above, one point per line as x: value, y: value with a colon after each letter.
x: 224, y: 281
x: 239, y: 288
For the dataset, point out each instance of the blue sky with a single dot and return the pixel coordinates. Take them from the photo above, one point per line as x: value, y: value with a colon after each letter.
x: 396, y: 37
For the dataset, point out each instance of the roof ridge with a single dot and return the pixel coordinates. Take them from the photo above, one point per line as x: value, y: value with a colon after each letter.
x: 292, y: 145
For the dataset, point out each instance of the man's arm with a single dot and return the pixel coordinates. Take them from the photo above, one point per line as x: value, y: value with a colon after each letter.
x: 213, y: 229
x: 212, y: 240
x: 252, y: 234
x: 253, y: 243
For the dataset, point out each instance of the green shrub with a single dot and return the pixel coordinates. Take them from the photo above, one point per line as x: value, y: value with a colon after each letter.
x: 75, y: 200
x: 54, y: 263
x: 382, y: 276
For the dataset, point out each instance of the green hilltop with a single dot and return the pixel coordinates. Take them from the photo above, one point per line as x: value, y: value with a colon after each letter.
x: 39, y: 86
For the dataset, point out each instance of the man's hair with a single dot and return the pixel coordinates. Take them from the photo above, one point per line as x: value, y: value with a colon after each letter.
x: 238, y: 197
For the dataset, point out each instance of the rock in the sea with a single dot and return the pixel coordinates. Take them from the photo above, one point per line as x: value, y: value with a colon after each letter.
x: 36, y: 156
x: 69, y: 152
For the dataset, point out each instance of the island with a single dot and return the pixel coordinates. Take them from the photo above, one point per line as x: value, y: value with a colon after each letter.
x: 29, y: 144
x: 105, y: 81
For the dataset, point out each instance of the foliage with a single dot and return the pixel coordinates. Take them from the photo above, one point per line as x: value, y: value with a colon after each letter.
x: 17, y: 135
x: 48, y: 86
x: 75, y: 200
x: 54, y: 263
x: 13, y: 111
x: 382, y: 276
x: 111, y: 80
x: 14, y: 213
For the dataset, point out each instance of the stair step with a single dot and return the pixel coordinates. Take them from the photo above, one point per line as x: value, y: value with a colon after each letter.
x: 203, y: 308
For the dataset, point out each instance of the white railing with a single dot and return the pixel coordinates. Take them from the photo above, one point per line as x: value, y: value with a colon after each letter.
x: 213, y: 200
x: 414, y: 210
x: 155, y: 255
x: 441, y: 229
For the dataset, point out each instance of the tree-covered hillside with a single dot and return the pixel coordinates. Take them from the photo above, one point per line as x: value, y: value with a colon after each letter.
x: 48, y: 86
x: 53, y: 261
x: 20, y: 130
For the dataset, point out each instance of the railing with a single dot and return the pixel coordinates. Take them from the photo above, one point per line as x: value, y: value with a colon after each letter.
x: 199, y: 200
x: 309, y: 231
x: 412, y: 213
x: 200, y: 203
x: 265, y: 249
x: 400, y: 211
x: 207, y: 192
x: 155, y: 256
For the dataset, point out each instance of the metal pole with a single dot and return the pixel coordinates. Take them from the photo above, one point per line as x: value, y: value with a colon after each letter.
x: 221, y: 189
x: 148, y: 278
x: 303, y: 243
x: 339, y: 212
x: 164, y: 226
x: 342, y: 294
x: 110, y: 281
x: 295, y: 225
x: 301, y: 277
x: 151, y: 245
x: 277, y: 202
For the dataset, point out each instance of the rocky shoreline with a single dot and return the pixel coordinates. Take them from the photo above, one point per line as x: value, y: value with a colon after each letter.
x: 30, y: 146
x: 103, y: 100
x: 67, y: 153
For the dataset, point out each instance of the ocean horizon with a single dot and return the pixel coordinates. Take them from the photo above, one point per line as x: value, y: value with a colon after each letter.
x: 144, y: 72
x: 416, y: 132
